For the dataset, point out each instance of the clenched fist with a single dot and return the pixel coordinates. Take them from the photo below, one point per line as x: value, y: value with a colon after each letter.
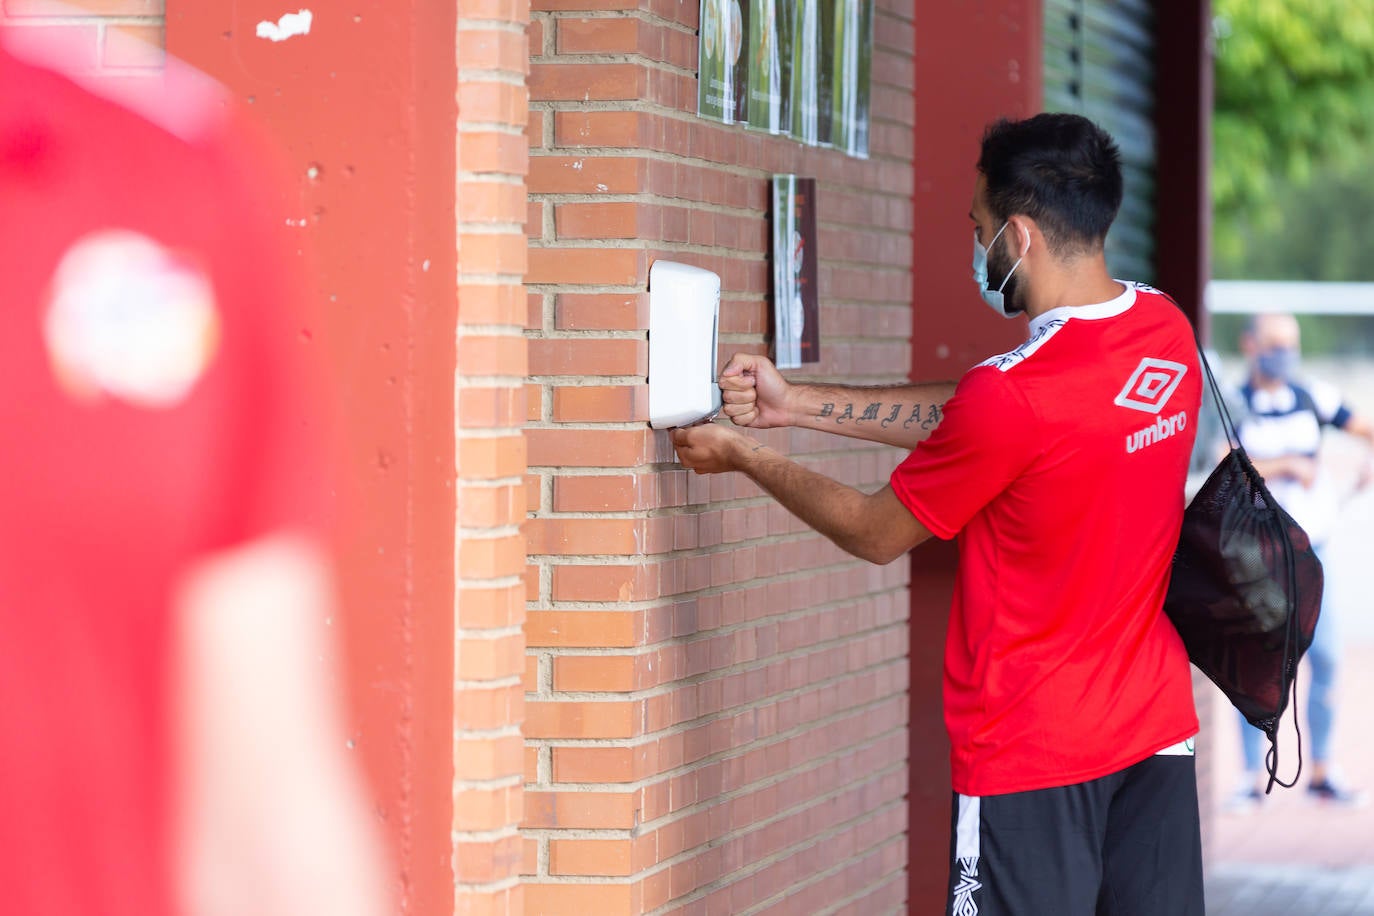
x: 753, y: 393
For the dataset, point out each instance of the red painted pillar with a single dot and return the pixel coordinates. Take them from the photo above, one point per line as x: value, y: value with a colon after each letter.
x: 363, y: 104
x: 976, y: 60
x: 1183, y: 126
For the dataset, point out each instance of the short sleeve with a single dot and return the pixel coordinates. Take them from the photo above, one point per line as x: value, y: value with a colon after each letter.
x: 987, y: 438
x: 1331, y: 409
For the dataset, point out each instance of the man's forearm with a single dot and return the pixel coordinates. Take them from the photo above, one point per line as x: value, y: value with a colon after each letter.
x: 830, y: 507
x: 901, y: 415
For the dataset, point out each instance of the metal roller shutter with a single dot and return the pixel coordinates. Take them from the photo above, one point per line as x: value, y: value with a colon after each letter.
x: 1100, y: 63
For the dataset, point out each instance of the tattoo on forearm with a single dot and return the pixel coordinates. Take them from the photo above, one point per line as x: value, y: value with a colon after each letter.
x: 870, y: 412
x: 922, y: 416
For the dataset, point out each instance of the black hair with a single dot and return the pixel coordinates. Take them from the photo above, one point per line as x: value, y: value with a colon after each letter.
x: 1061, y: 170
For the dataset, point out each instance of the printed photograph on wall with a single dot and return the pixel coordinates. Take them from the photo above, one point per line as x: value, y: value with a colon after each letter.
x: 765, y: 68
x: 719, y: 60
x: 796, y: 294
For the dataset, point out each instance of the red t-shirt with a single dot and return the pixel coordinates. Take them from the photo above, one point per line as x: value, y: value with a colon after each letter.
x: 1061, y: 467
x: 155, y: 411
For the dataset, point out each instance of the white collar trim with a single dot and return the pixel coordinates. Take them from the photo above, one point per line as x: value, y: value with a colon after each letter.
x: 1109, y: 309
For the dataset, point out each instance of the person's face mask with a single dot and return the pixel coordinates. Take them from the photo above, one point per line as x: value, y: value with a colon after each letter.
x: 1278, y: 363
x: 995, y: 298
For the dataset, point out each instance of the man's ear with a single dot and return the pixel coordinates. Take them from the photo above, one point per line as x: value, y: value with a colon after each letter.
x: 1024, y: 232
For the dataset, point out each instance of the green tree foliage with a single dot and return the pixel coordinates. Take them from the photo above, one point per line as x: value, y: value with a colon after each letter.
x: 1324, y: 231
x: 1294, y: 98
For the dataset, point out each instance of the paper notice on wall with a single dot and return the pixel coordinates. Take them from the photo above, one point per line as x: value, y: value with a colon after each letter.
x: 796, y: 295
x: 799, y: 68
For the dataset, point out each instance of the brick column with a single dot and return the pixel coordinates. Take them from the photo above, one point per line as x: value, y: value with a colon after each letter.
x: 492, y: 159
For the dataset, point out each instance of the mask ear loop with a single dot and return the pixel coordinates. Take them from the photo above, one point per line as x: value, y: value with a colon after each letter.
x: 1003, y: 285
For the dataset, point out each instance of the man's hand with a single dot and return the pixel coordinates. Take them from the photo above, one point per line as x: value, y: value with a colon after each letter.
x: 753, y: 392
x: 710, y: 448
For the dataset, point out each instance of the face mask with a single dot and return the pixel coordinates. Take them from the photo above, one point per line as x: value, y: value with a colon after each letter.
x: 1278, y: 363
x: 993, y: 297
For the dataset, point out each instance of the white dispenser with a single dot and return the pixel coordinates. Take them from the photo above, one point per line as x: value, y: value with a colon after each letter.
x: 684, y: 310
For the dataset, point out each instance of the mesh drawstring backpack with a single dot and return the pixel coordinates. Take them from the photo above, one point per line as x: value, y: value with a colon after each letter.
x: 1245, y: 591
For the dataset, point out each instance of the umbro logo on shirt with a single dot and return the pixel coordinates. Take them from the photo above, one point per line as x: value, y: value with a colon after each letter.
x: 1151, y: 385
x: 1149, y: 388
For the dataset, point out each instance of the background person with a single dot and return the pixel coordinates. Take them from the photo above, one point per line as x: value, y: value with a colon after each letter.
x: 1281, y: 427
x: 1060, y: 466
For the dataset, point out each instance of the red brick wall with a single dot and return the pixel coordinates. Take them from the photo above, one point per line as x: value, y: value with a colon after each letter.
x: 716, y: 706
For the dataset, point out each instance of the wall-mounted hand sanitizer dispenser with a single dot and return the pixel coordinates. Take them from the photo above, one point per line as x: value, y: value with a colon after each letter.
x: 684, y: 309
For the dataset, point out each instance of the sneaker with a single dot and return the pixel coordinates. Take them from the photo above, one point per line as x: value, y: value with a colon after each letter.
x: 1329, y: 793
x: 1244, y: 800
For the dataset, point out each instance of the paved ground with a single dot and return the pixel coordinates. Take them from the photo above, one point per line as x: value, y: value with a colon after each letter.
x: 1291, y: 890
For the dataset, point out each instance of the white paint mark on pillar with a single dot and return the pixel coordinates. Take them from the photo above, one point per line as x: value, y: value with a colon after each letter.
x: 288, y: 26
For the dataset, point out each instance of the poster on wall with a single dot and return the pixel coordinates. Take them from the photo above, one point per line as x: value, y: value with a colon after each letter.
x: 796, y: 294
x: 765, y: 108
x: 863, y: 112
x: 720, y: 62
x: 853, y: 67
x: 804, y: 72
x: 739, y: 31
x: 825, y: 71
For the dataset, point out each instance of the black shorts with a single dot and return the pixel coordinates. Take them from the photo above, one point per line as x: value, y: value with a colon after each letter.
x: 1127, y: 844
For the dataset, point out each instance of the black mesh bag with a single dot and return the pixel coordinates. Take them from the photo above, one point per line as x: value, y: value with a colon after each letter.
x: 1245, y: 591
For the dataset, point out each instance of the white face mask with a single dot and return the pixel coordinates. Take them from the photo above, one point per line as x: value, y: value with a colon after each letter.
x: 993, y: 297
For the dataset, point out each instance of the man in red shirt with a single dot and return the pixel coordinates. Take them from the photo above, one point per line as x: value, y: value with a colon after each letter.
x: 170, y: 741
x: 1060, y: 467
